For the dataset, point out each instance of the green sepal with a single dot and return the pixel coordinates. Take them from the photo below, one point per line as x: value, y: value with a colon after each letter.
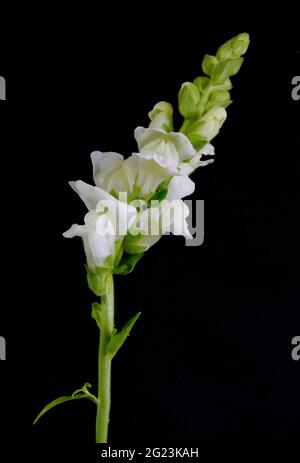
x: 208, y: 64
x: 163, y: 185
x: 118, y: 339
x: 226, y: 69
x: 160, y: 195
x: 218, y: 98
x: 162, y: 190
x: 82, y: 393
x: 128, y: 263
x: 227, y: 85
x: 96, y: 281
x: 96, y: 313
x: 132, y: 243
x: 197, y: 141
x: 201, y: 83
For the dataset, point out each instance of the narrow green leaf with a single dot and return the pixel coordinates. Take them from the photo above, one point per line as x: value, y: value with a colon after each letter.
x: 59, y: 401
x: 82, y: 393
x: 118, y: 339
x: 84, y: 389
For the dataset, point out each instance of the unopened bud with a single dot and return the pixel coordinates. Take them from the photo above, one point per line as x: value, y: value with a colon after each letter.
x: 188, y: 100
x: 161, y: 116
x: 234, y: 48
x: 226, y: 69
x: 218, y: 98
x: 208, y: 64
x: 201, y: 83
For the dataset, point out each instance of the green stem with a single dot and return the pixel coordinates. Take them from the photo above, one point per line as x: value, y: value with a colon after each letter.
x: 104, y: 362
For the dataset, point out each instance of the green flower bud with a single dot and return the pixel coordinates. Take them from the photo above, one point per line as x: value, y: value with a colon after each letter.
x: 234, y: 48
x: 188, y: 99
x: 226, y: 69
x: 161, y: 116
x: 207, y: 127
x: 218, y: 98
x: 201, y: 83
x: 227, y: 85
x: 208, y: 64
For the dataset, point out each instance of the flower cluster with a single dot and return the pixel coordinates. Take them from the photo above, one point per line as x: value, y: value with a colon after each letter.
x: 137, y: 200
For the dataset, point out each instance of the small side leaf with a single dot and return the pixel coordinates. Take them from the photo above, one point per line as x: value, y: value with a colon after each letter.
x: 82, y: 393
x: 84, y: 389
x: 58, y: 401
x: 119, y: 338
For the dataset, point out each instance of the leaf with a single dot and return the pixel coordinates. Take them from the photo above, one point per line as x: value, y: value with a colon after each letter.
x: 84, y: 389
x: 82, y: 393
x: 58, y: 401
x: 119, y: 338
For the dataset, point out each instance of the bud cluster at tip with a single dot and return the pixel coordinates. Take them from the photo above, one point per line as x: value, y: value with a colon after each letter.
x: 203, y: 102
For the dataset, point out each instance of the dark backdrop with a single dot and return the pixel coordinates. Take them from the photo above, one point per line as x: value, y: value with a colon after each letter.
x: 209, y: 361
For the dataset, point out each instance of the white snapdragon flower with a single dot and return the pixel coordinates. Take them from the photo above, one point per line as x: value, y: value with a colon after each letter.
x: 135, y: 176
x: 106, y: 222
x: 152, y: 223
x: 171, y: 150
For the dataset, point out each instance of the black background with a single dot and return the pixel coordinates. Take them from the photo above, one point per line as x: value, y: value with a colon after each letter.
x: 209, y: 361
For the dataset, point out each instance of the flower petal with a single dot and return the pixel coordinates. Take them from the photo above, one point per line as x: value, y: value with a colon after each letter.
x: 144, y: 136
x: 90, y: 195
x: 183, y: 145
x: 208, y: 150
x: 148, y: 174
x: 98, y: 247
x: 179, y: 187
x: 103, y: 163
x: 75, y: 230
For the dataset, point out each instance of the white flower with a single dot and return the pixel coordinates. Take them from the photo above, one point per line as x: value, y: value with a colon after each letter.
x: 152, y: 223
x: 171, y: 150
x: 106, y: 222
x: 180, y: 187
x: 136, y: 176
